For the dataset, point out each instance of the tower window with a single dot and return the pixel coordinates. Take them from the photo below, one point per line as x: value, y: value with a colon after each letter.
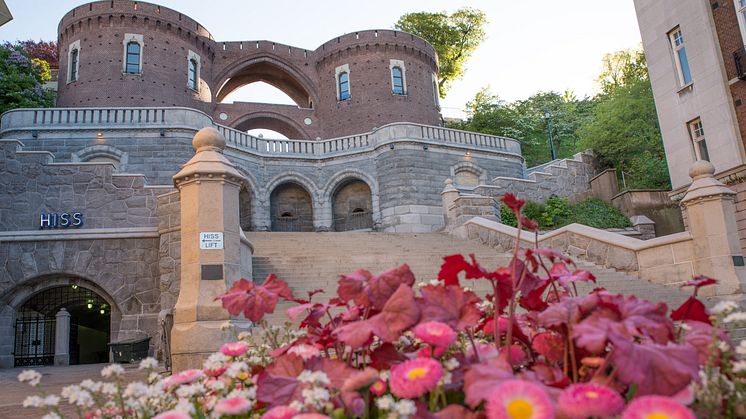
x: 74, y: 65
x: 133, y: 58
x: 741, y: 10
x: 679, y: 55
x: 192, y: 74
x: 344, y: 85
x: 398, y: 81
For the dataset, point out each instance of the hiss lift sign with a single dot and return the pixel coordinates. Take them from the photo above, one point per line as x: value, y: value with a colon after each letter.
x: 210, y: 240
x: 61, y: 220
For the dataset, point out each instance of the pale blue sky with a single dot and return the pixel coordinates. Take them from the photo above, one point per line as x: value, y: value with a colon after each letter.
x: 532, y: 45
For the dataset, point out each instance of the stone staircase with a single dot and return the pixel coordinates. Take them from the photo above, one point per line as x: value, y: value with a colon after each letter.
x: 309, y: 261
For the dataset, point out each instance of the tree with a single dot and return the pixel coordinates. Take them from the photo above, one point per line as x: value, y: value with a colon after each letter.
x: 455, y: 37
x: 42, y: 50
x: 624, y: 130
x: 22, y: 79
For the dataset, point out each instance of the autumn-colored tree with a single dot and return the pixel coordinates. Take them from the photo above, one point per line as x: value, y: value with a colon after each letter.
x: 42, y: 50
x: 454, y: 36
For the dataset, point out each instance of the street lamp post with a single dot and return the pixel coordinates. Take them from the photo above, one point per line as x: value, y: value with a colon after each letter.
x: 548, y: 117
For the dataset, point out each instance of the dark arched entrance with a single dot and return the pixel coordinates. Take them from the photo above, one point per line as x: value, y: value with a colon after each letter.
x: 244, y: 209
x: 35, y: 328
x: 291, y: 208
x: 352, y: 206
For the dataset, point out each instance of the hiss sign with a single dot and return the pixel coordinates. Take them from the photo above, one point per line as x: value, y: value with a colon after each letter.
x: 210, y: 240
x: 61, y: 220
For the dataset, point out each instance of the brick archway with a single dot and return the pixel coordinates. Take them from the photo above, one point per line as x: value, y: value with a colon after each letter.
x: 272, y: 121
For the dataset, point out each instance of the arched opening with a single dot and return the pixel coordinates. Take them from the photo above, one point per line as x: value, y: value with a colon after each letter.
x: 259, y: 92
x: 271, y: 73
x: 352, y: 206
x: 270, y: 122
x: 36, y: 326
x: 291, y: 208
x: 244, y: 209
x: 466, y: 178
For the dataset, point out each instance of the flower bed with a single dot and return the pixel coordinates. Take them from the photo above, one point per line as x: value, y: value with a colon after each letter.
x: 385, y: 346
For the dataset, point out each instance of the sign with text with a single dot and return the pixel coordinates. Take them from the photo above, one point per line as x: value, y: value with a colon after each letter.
x: 211, y: 240
x: 61, y: 220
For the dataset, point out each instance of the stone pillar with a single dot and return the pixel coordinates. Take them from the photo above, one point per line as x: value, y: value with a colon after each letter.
x: 449, y: 196
x: 208, y: 185
x: 644, y: 225
x: 710, y: 209
x: 62, y: 338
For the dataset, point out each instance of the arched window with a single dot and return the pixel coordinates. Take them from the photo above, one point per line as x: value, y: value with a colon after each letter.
x: 133, y: 58
x: 344, y: 86
x: 74, y: 65
x: 192, y: 74
x: 398, y: 81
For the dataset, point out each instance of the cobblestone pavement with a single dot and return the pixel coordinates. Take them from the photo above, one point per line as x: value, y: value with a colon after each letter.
x: 53, y: 379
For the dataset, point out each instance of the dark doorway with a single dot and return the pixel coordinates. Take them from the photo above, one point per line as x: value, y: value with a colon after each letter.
x: 90, y: 326
x: 352, y: 206
x: 291, y: 208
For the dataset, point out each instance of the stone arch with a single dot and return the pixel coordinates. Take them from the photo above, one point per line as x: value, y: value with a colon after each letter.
x: 291, y: 208
x: 14, y: 298
x: 340, y: 178
x: 101, y: 153
x: 247, y: 201
x: 273, y: 121
x: 467, y: 175
x: 270, y: 70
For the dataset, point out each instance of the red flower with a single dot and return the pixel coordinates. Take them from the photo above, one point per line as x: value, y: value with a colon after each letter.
x: 513, y: 203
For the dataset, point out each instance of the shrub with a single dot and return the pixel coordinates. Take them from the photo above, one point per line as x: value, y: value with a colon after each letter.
x: 558, y: 212
x: 386, y: 347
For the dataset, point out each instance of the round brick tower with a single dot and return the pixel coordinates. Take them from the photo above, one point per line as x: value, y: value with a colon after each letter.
x: 370, y: 59
x: 131, y: 53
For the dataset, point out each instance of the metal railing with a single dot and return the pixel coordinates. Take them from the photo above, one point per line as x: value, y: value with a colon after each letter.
x: 354, y: 221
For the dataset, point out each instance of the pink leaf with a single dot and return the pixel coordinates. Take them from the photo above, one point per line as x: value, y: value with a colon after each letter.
x: 449, y: 304
x: 692, y: 309
x: 481, y: 379
x: 655, y: 369
x: 255, y: 300
x: 277, y: 390
x: 561, y: 274
x: 700, y: 281
x: 373, y: 291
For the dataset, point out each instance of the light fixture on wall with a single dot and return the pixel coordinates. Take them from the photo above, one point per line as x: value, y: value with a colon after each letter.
x: 425, y: 147
x: 99, y: 134
x: 391, y: 146
x: 163, y: 132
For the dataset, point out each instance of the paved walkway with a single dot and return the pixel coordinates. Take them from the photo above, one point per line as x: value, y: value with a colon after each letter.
x: 13, y: 393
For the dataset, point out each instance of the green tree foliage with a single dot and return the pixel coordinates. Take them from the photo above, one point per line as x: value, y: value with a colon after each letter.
x: 624, y: 129
x: 558, y: 212
x: 454, y: 36
x: 22, y: 79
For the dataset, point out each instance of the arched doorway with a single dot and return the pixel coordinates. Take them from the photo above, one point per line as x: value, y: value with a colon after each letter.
x: 291, y: 208
x: 244, y: 209
x: 352, y: 206
x: 271, y: 72
x: 35, y: 327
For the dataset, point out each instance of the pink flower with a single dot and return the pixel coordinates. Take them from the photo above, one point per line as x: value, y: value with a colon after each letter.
x: 234, y: 349
x: 233, y: 406
x: 412, y: 379
x: 280, y: 412
x: 173, y: 414
x: 580, y: 401
x: 378, y: 388
x: 435, y: 333
x: 517, y: 355
x: 657, y: 407
x: 214, y: 373
x: 519, y: 399
x: 311, y: 416
x: 305, y: 351
x: 184, y: 377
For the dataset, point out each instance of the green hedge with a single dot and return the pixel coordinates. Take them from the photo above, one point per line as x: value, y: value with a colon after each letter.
x: 558, y: 212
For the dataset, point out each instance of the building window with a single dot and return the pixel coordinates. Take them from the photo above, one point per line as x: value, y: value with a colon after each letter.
x: 398, y: 77
x: 133, y: 44
x: 679, y: 55
x: 73, y: 61
x: 436, y: 91
x: 697, y: 132
x: 741, y: 9
x: 344, y: 86
x: 193, y: 71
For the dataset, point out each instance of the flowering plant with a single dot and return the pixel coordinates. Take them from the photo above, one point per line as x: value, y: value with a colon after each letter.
x: 385, y: 346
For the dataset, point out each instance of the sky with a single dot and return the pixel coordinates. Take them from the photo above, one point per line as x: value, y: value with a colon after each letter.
x: 531, y: 46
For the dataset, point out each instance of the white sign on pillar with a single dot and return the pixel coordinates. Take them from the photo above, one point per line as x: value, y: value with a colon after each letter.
x: 211, y: 240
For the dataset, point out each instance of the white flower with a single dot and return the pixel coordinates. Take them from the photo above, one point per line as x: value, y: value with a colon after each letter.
x: 190, y: 390
x: 685, y: 327
x: 80, y: 398
x: 451, y: 364
x: 29, y: 376
x: 739, y: 367
x: 244, y: 335
x: 315, y: 377
x: 108, y: 388
x: 406, y: 408
x: 113, y: 370
x: 226, y: 326
x: 216, y: 385
x: 135, y: 389
x: 724, y: 347
x: 51, y: 400
x: 51, y: 415
x: 295, y: 404
x: 33, y: 401
x: 91, y: 385
x: 184, y: 405
x: 236, y: 369
x: 385, y: 375
x: 385, y: 402
x: 149, y: 363
x: 741, y: 348
x: 724, y: 307
x: 215, y: 361
x: 447, y: 377
x: 737, y: 317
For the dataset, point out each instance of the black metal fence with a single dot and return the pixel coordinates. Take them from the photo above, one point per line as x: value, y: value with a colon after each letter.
x: 354, y: 221
x: 34, y: 341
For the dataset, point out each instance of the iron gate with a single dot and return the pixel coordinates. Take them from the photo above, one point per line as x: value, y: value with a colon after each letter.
x: 354, y: 221
x: 34, y: 344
